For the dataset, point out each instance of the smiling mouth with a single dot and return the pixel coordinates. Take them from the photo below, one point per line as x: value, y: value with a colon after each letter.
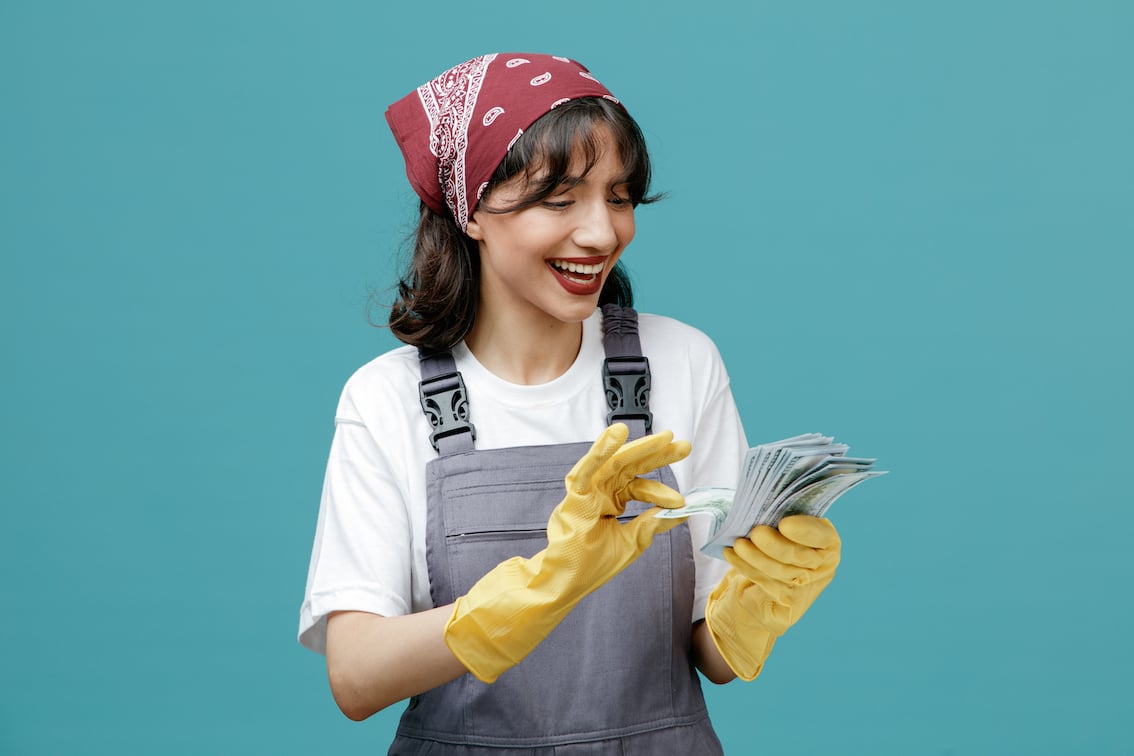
x: 578, y: 271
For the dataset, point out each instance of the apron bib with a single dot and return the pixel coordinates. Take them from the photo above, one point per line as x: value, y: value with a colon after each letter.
x: 615, y: 677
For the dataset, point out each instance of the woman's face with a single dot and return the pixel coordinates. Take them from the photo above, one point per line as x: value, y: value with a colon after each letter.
x: 549, y: 261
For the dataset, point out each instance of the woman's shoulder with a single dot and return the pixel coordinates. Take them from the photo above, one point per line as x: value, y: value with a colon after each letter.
x: 662, y: 334
x: 685, y: 355
x: 384, y: 381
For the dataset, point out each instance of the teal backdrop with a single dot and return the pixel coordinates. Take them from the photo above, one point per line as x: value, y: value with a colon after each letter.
x: 907, y: 224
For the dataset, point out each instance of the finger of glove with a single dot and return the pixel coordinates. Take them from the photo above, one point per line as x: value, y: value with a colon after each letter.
x: 757, y: 554
x: 645, y: 527
x: 579, y: 480
x: 808, y: 531
x: 638, y: 458
x: 754, y: 586
x: 759, y: 562
x: 654, y: 492
x: 781, y: 548
x: 816, y: 532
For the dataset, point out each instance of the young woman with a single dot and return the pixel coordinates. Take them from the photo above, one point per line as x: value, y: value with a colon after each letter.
x: 475, y: 553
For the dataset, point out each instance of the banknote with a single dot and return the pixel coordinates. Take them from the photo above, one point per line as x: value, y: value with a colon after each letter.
x: 815, y: 499
x: 710, y: 501
x: 800, y: 475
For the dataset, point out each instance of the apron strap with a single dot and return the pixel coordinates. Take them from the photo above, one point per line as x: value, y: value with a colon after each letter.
x: 625, y: 378
x: 625, y: 371
x: 445, y: 403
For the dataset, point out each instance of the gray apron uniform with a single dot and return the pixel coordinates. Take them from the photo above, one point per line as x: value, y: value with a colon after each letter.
x: 615, y: 677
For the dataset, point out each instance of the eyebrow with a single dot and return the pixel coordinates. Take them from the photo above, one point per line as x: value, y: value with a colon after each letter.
x: 572, y: 181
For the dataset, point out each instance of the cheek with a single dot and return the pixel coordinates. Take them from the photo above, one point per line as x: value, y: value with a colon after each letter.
x: 625, y: 228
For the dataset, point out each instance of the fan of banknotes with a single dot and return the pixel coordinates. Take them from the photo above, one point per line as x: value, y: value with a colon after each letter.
x: 799, y: 475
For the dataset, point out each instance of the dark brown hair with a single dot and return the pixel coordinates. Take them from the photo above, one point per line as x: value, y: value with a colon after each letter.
x: 439, y: 292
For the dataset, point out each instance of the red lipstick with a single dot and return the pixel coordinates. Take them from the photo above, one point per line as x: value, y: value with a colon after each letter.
x: 577, y: 282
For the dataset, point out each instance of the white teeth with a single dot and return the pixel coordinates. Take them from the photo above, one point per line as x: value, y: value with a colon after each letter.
x: 586, y: 270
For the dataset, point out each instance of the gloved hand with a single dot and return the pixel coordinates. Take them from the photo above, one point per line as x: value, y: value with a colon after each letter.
x: 775, y: 577
x: 511, y: 609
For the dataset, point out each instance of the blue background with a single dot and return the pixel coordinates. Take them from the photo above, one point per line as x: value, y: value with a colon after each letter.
x: 906, y: 224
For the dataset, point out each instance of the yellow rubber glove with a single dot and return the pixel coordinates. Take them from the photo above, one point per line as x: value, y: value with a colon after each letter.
x: 775, y: 577
x: 511, y: 609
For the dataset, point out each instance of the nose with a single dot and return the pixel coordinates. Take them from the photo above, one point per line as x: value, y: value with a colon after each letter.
x: 597, y: 228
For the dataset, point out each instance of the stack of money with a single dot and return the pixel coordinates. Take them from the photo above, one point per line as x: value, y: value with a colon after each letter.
x: 799, y: 475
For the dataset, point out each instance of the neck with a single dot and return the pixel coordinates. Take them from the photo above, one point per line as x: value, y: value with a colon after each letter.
x: 526, y: 352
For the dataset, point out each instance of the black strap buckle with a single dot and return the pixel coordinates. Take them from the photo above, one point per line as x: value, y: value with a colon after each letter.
x: 446, y: 404
x: 627, y: 384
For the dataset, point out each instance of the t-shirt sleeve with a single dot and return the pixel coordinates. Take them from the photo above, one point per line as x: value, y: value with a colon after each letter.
x: 721, y: 443
x: 694, y: 398
x: 360, y: 559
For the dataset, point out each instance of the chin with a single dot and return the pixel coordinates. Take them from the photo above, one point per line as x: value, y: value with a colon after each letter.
x: 572, y: 314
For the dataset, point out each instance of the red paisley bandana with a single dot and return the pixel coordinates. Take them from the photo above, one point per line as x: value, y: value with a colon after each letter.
x: 454, y: 130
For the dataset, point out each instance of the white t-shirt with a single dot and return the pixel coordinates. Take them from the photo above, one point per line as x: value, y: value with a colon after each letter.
x: 369, y: 551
